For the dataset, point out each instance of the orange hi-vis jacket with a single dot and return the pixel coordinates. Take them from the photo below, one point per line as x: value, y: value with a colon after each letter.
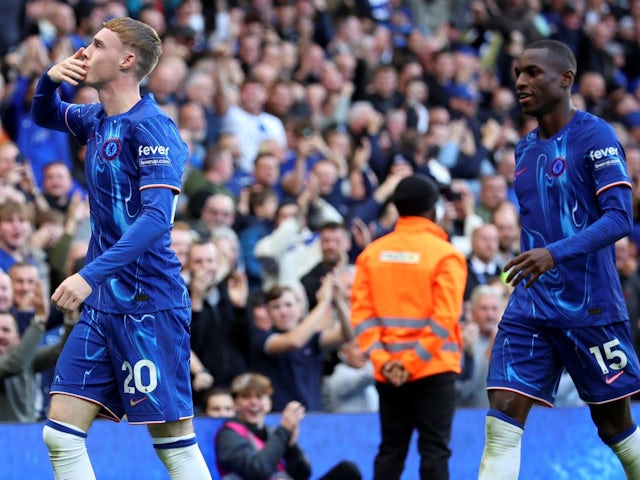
x: 407, y: 299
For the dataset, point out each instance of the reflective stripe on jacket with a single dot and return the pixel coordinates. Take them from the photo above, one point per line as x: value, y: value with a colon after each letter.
x: 407, y: 299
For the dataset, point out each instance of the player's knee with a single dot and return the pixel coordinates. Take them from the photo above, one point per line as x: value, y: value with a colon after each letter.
x: 59, y: 437
x: 51, y: 438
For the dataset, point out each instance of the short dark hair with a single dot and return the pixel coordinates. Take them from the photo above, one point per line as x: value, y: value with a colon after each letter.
x: 259, y: 196
x: 213, y: 391
x: 415, y: 195
x: 213, y: 156
x: 561, y: 55
x: 274, y: 293
x: 332, y: 226
x: 286, y: 201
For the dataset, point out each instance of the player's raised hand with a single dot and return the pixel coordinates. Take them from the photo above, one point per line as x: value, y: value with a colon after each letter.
x: 71, y: 70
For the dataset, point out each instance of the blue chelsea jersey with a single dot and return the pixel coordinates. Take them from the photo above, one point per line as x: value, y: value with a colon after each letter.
x: 557, y: 182
x: 132, y: 161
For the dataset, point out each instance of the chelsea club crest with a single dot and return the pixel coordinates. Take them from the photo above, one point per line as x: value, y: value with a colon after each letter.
x: 111, y: 148
x: 558, y: 166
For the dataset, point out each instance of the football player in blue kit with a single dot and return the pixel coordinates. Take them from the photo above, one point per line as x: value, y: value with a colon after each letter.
x: 129, y: 354
x: 567, y: 309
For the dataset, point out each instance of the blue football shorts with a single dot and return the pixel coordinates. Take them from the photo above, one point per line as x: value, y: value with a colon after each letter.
x: 529, y: 360
x: 136, y: 365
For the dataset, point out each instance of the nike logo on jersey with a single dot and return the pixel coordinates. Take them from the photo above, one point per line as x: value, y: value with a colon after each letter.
x: 609, y: 380
x: 133, y: 402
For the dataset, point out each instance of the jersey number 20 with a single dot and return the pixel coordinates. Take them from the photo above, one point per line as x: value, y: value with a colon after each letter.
x: 135, y: 373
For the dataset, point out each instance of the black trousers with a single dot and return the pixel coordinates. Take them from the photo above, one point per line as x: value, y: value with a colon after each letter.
x: 427, y: 405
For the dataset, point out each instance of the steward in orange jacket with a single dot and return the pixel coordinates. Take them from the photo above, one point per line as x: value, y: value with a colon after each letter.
x: 406, y: 300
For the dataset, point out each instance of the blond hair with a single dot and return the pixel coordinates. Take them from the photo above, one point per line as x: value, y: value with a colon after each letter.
x: 141, y: 39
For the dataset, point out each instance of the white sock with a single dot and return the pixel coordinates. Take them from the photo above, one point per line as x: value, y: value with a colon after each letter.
x: 501, y: 456
x: 67, y: 451
x: 628, y: 451
x: 182, y: 457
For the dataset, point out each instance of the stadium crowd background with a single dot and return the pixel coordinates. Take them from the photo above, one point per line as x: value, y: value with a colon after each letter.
x: 301, y: 117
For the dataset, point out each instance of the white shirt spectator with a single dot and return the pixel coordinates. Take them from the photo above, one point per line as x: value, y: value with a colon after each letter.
x: 252, y: 131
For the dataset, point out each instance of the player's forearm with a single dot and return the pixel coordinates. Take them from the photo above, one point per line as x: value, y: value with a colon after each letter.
x: 47, y: 108
x: 146, y: 230
x: 616, y: 222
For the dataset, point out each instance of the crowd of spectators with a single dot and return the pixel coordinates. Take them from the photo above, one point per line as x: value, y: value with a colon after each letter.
x: 301, y: 117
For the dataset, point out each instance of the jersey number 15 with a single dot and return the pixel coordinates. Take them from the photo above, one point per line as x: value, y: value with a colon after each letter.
x: 610, y: 353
